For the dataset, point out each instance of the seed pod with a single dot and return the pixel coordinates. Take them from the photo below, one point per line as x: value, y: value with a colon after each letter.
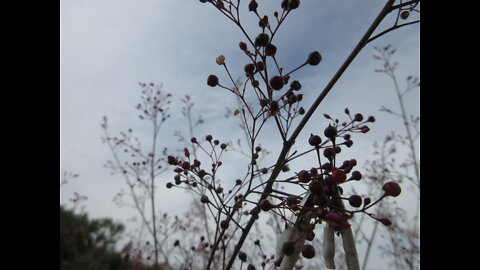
x: 295, y: 85
x: 242, y: 46
x: 270, y: 50
x: 249, y: 68
x: 262, y: 40
x: 204, y: 199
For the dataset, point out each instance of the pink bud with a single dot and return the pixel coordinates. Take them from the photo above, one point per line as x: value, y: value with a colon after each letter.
x: 385, y: 221
x: 332, y: 216
x: 340, y: 225
x: 187, y: 153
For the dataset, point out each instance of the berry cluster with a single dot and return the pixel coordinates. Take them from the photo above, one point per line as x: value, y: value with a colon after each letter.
x: 273, y: 88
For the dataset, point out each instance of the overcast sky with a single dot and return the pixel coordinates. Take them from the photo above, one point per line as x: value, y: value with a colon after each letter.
x: 108, y: 46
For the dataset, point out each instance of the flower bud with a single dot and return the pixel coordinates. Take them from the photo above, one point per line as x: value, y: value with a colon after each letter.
x: 262, y: 40
x: 252, y: 6
x: 220, y: 59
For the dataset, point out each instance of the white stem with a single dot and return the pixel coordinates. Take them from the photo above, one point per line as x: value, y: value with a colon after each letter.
x: 351, y: 256
x: 288, y: 262
x: 329, y: 247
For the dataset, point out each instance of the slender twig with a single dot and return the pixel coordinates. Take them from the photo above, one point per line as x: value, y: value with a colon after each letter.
x: 289, y: 143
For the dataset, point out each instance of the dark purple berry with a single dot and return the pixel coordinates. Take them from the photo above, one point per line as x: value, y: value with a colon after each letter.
x: 252, y: 6
x: 356, y: 175
x: 330, y: 132
x: 212, y: 80
x: 314, y: 58
x: 392, y: 189
x: 358, y: 117
x: 355, y: 200
x: 242, y: 256
x: 276, y: 82
x: 308, y: 251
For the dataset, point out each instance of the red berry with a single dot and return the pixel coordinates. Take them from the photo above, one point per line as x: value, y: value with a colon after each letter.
x: 339, y: 176
x: 308, y: 251
x: 392, y: 189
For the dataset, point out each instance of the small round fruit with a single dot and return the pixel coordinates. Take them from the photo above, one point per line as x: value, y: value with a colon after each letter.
x: 330, y: 132
x: 262, y: 40
x: 314, y: 58
x: 212, y: 80
x: 276, y: 82
x: 314, y: 140
x: 308, y: 251
x: 392, y: 189
x: 355, y: 200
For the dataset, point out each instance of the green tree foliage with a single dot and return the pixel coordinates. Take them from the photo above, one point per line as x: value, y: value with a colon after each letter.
x: 88, y: 244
